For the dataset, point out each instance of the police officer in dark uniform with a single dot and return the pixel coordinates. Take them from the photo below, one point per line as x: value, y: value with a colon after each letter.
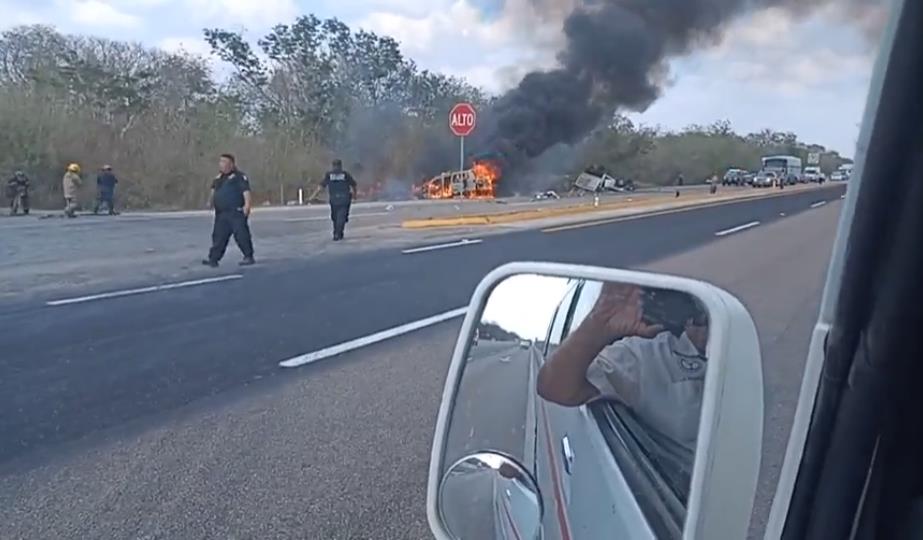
x: 105, y: 190
x: 341, y: 188
x: 231, y: 200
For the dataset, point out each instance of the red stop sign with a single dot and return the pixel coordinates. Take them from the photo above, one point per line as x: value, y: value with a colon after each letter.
x: 462, y: 119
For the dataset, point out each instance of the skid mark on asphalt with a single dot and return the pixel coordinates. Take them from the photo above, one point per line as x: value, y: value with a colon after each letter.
x: 141, y: 290
x: 460, y: 243
x: 371, y: 339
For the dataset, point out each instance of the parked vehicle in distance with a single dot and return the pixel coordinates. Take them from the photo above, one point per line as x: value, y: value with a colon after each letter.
x: 813, y: 174
x: 765, y: 179
x: 842, y: 173
x: 734, y: 177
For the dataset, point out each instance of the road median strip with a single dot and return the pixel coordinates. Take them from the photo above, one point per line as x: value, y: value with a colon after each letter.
x: 661, y: 202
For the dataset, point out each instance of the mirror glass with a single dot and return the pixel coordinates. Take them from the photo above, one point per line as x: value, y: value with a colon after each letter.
x: 488, y: 495
x: 593, y: 388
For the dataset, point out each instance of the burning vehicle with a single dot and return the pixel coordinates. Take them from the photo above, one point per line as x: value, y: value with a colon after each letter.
x: 478, y: 182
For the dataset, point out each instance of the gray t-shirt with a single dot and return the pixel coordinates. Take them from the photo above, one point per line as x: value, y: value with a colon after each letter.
x: 660, y: 379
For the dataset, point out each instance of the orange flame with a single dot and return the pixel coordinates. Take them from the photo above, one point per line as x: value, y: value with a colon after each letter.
x: 486, y: 174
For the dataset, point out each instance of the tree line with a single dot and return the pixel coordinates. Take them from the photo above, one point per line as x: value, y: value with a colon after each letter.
x: 306, y: 92
x: 654, y: 156
x: 315, y: 90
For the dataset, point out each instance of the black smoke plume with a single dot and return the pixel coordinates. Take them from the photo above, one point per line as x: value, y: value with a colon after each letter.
x: 615, y: 57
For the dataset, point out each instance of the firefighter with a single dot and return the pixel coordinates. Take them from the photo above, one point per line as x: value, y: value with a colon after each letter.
x: 341, y: 188
x: 71, y: 184
x: 105, y: 190
x: 230, y: 197
x: 17, y: 189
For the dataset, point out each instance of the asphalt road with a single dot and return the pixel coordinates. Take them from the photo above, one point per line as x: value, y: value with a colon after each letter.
x: 166, y: 415
x: 42, y: 257
x: 495, y: 384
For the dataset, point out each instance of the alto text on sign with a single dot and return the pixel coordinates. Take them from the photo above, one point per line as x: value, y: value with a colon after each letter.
x: 462, y: 119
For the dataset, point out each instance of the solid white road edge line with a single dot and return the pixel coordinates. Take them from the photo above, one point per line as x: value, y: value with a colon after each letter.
x: 371, y: 339
x: 818, y: 204
x: 142, y: 290
x: 738, y: 228
x: 462, y: 242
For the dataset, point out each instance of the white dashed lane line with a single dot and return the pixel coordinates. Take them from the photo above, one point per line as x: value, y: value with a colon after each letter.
x: 460, y: 243
x: 818, y: 204
x: 141, y: 290
x: 738, y: 228
x: 371, y: 339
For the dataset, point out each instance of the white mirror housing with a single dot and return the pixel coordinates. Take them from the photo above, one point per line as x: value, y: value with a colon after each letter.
x: 728, y: 447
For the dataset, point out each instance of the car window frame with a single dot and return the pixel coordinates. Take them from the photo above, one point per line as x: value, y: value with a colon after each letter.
x: 567, y: 300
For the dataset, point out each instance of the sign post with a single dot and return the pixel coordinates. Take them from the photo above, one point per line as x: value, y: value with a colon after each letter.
x: 462, y: 121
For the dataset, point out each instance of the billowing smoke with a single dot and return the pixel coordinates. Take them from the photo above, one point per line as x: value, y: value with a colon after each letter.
x: 614, y: 57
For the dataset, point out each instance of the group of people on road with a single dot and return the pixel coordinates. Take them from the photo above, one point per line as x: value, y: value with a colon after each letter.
x: 105, y: 190
x: 19, y: 185
x: 232, y: 202
x: 230, y: 198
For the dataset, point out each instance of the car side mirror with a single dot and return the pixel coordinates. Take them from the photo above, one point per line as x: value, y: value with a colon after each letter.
x: 586, y: 402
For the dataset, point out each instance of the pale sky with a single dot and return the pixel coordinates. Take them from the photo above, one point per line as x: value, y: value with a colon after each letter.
x: 525, y: 304
x: 809, y: 75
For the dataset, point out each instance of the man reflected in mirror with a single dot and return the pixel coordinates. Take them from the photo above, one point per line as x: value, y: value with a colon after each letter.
x: 617, y: 353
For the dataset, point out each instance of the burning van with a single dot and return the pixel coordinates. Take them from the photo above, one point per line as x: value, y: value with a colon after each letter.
x: 478, y: 182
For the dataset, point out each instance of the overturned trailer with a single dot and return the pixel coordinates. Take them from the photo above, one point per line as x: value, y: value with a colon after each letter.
x: 595, y: 180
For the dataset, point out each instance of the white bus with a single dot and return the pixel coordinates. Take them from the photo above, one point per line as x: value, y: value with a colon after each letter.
x: 787, y: 167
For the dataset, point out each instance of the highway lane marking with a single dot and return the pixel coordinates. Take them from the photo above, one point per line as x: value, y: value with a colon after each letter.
x: 738, y: 228
x: 327, y: 218
x: 460, y: 243
x: 142, y: 290
x: 655, y: 213
x: 818, y: 204
x: 371, y: 339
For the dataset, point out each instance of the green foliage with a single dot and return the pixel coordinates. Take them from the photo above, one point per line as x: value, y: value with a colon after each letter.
x: 303, y: 93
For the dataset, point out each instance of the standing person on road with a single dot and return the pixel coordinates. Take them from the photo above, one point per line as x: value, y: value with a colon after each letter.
x: 230, y: 197
x: 341, y: 188
x: 71, y: 184
x: 105, y: 190
x: 17, y: 189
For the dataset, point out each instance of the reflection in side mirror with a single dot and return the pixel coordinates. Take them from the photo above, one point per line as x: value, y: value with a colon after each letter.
x: 489, y: 495
x: 594, y: 382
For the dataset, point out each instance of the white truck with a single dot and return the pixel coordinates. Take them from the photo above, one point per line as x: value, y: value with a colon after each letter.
x: 813, y: 174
